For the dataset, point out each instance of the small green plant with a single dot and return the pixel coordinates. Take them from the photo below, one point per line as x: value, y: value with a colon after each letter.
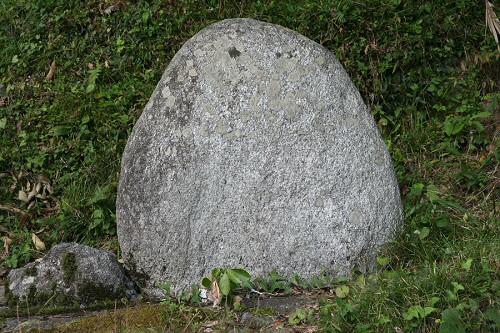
x: 166, y: 287
x: 301, y: 316
x: 274, y: 283
x: 451, y: 322
x: 224, y: 282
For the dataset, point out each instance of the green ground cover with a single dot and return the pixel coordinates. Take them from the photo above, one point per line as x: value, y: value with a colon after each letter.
x: 428, y: 70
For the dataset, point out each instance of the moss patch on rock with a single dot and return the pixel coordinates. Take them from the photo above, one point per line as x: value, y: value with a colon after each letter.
x: 145, y: 317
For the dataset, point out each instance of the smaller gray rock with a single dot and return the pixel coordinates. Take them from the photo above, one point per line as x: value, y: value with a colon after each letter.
x: 254, y: 321
x: 70, y: 273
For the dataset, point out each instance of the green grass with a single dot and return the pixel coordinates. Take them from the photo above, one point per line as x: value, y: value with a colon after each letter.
x: 429, y: 72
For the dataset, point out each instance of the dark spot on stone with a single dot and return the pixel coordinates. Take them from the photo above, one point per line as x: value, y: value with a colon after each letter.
x: 31, y: 271
x: 278, y: 55
x: 233, y: 52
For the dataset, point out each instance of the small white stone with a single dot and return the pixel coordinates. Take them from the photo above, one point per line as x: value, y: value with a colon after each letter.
x: 192, y: 72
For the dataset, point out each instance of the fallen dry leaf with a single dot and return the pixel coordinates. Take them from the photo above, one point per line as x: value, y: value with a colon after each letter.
x: 22, y: 196
x: 6, y: 245
x: 39, y: 245
x: 208, y: 327
x: 52, y: 71
x: 492, y: 22
x: 214, y: 295
x: 14, y: 210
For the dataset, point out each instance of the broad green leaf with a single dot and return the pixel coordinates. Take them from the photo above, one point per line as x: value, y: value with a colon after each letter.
x: 467, y: 264
x: 241, y: 273
x: 239, y: 276
x: 451, y: 322
x: 433, y: 301
x: 451, y: 296
x: 3, y: 123
x: 427, y: 311
x: 93, y: 76
x: 60, y: 130
x: 493, y: 315
x: 457, y: 287
x: 216, y: 273
x: 418, y: 312
x: 412, y: 313
x: 383, y: 261
x: 416, y: 190
x: 342, y: 291
x: 481, y: 115
x: 432, y: 193
x: 225, y: 284
x: 101, y: 194
x: 442, y: 222
x: 453, y: 125
x: 423, y: 233
x: 360, y: 281
x: 233, y: 276
x: 207, y: 283
x: 298, y: 316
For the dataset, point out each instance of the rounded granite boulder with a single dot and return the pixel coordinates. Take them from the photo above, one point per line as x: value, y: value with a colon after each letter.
x: 254, y: 151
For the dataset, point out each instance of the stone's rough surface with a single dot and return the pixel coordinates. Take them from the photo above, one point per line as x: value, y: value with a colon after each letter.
x: 256, y: 151
x: 70, y: 273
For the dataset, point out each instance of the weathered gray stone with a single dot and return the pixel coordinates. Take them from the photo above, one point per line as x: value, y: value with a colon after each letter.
x: 256, y: 151
x: 70, y: 273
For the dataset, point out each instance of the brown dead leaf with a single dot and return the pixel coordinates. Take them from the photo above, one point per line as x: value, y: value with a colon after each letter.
x: 39, y: 245
x: 492, y: 22
x: 22, y: 196
x: 110, y: 8
x: 208, y: 327
x: 6, y: 245
x: 237, y: 302
x: 13, y: 210
x: 52, y: 71
x: 215, y: 295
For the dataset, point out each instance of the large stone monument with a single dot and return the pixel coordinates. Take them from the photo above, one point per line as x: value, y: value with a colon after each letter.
x: 254, y: 151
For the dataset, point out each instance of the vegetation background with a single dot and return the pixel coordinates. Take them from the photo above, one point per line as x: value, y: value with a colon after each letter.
x: 75, y: 75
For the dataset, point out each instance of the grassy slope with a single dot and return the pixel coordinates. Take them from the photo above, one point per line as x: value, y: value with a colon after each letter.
x: 428, y: 72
